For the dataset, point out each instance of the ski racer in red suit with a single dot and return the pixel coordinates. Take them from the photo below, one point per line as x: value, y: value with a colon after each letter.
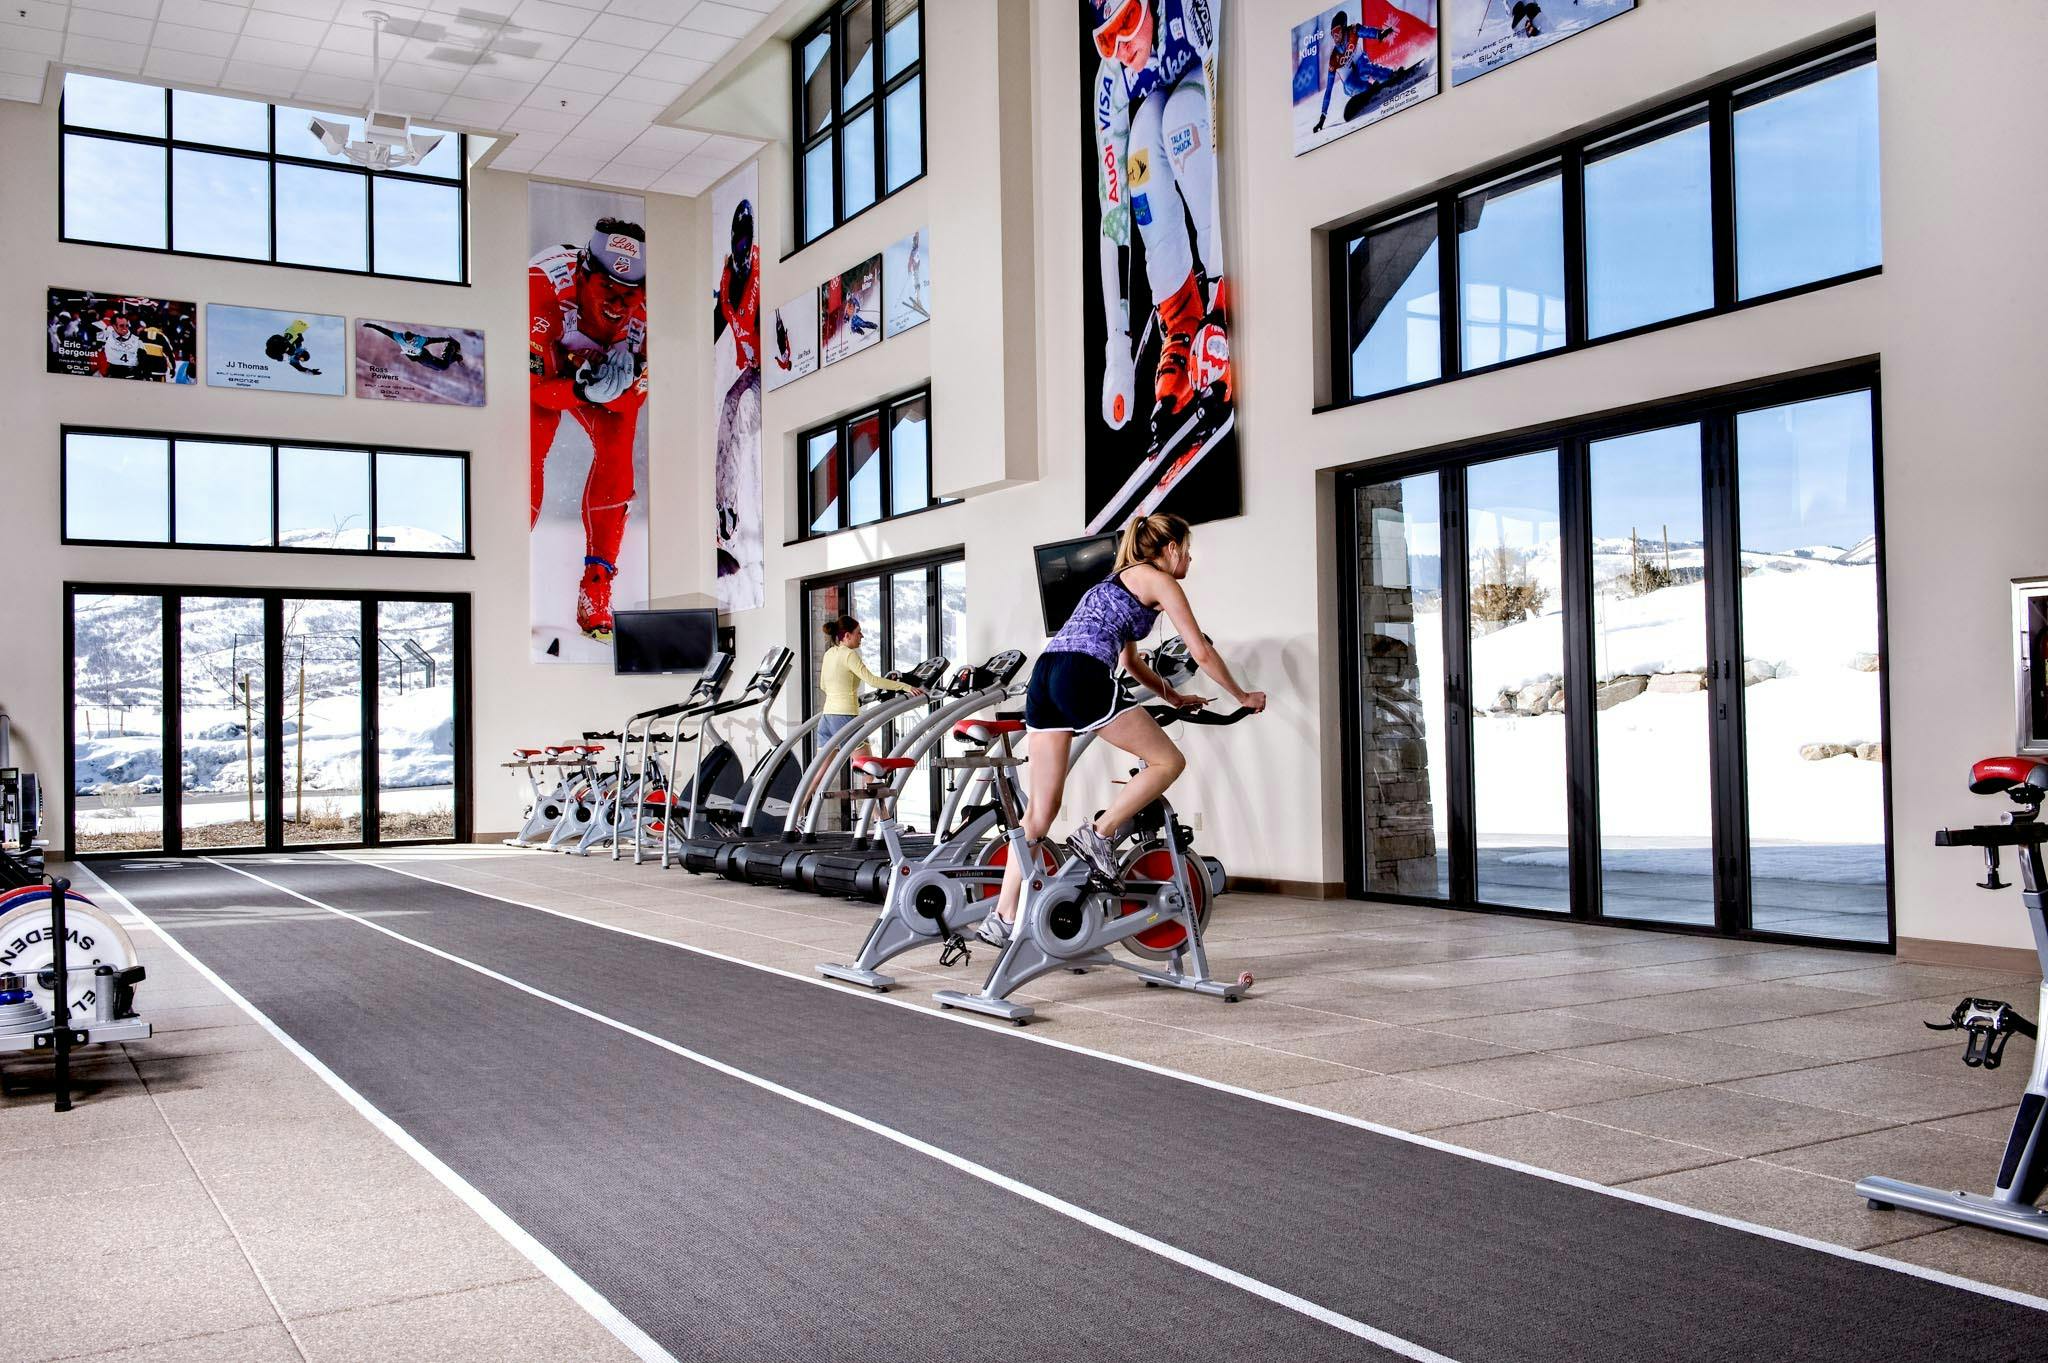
x: 736, y: 311
x: 588, y: 342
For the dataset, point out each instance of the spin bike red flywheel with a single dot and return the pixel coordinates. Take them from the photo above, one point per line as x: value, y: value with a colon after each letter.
x: 1160, y: 941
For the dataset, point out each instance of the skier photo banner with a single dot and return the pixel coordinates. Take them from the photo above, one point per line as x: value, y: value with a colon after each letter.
x: 1160, y: 419
x: 586, y: 289
x: 1488, y: 34
x: 1356, y: 63
x: 736, y: 389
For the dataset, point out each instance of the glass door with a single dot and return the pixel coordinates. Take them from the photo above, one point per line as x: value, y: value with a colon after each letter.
x: 117, y: 722
x: 415, y: 720
x: 322, y: 733
x: 224, y: 748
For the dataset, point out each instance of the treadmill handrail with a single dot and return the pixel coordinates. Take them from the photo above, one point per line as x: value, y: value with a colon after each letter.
x: 811, y: 792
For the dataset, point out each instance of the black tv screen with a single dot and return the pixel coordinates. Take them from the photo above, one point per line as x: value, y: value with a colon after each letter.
x: 1066, y: 570
x: 654, y: 643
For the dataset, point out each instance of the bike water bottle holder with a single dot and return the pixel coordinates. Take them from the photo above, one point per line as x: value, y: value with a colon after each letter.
x: 1990, y: 1023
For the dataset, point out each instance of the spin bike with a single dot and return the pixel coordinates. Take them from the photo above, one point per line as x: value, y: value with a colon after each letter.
x: 1070, y: 917
x: 1989, y: 1023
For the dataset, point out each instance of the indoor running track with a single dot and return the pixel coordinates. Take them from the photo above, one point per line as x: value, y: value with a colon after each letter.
x: 748, y: 1165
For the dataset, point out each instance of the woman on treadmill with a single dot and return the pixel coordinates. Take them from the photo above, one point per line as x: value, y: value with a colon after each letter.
x: 1073, y: 690
x: 841, y: 675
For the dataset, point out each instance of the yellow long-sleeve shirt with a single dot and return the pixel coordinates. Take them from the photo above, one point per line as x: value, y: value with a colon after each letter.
x: 841, y: 676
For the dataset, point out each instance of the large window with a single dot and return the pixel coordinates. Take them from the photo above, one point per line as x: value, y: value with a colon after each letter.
x: 859, y: 110
x: 1630, y: 669
x: 868, y: 467
x: 121, y: 487
x: 211, y: 175
x: 1750, y: 191
x: 205, y: 718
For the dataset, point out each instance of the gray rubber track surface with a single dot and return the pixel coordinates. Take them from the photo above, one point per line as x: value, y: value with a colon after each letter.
x: 731, y: 1223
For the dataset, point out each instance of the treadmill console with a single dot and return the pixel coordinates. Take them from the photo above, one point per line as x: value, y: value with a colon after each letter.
x: 768, y: 676
x: 712, y: 684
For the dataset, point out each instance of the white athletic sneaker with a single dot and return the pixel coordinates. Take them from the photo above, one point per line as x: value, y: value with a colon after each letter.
x: 995, y: 929
x: 1091, y: 847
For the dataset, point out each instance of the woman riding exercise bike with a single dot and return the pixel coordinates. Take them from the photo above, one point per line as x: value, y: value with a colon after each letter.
x: 1073, y: 690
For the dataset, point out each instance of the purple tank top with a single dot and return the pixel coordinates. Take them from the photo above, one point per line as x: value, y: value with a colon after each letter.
x: 1107, y: 618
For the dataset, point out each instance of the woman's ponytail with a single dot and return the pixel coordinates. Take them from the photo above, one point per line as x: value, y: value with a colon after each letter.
x: 838, y: 627
x: 1148, y: 537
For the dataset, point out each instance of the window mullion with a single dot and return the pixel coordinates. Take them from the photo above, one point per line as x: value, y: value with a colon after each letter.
x: 1721, y: 194
x: 1573, y: 192
x: 1450, y: 310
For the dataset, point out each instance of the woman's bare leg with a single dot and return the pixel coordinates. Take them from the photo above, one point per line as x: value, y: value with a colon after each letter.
x: 1138, y: 734
x: 1047, y: 770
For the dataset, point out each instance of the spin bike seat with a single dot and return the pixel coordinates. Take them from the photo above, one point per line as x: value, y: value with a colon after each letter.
x: 882, y: 766
x: 526, y: 752
x: 591, y: 747
x: 985, y: 731
x: 2000, y: 775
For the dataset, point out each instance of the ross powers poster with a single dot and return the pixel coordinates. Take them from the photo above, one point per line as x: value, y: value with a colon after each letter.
x: 1488, y: 34
x: 586, y: 289
x: 414, y: 362
x: 736, y: 390
x: 1161, y: 423
x: 1356, y: 63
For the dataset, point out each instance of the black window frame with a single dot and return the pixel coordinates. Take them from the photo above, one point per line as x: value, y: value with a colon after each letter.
x: 370, y: 820
x: 370, y: 451
x: 840, y: 428
x: 1716, y: 412
x: 171, y: 144
x: 832, y: 24
x: 933, y: 565
x: 1722, y: 99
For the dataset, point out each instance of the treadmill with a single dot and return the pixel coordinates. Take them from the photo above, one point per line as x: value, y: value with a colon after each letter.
x: 857, y: 862
x: 719, y: 785
x: 645, y: 790
x: 714, y: 852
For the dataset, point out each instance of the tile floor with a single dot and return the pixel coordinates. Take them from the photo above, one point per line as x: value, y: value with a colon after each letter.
x: 239, y: 1209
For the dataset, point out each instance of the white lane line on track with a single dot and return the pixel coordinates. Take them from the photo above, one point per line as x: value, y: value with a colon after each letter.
x: 1172, y: 1253
x: 1935, y: 1275
x: 539, y: 1255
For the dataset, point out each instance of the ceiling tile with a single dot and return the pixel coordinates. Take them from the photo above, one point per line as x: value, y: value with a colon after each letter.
x: 713, y: 166
x: 661, y: 92
x: 189, y: 67
x: 681, y: 70
x: 552, y: 18
x: 515, y: 159
x: 587, y: 79
x: 285, y: 28
x: 43, y: 42
x: 322, y: 10
x: 665, y: 12
x: 355, y: 41
x: 92, y: 23
x: 711, y: 17
x: 633, y: 33
x: 104, y: 53
x: 207, y: 14
x: 659, y: 158
x: 422, y: 76
x: 723, y: 148
x: 681, y: 181
x: 595, y: 150
x: 36, y: 14
x: 536, y: 144
x: 134, y: 9
x: 341, y: 90
x: 17, y: 63
x: 561, y: 99
x: 480, y: 113
x: 677, y: 141
x: 619, y: 118
x: 496, y: 8
x: 260, y: 79
x: 202, y: 41
x: 626, y: 176
x: 528, y: 119
x: 269, y: 52
x: 29, y: 88
x: 604, y: 56
x: 530, y: 70
x: 758, y: 6
x: 694, y: 43
x: 356, y: 14
x: 418, y: 103
x: 476, y: 85
x: 348, y: 65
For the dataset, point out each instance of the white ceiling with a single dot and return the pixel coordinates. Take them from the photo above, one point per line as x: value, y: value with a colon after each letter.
x: 579, y: 82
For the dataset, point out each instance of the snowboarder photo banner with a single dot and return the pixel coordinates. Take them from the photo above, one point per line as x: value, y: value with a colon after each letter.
x: 907, y: 283
x: 276, y: 351
x: 118, y: 336
x: 1488, y: 34
x: 1356, y: 63
x: 586, y: 291
x: 416, y: 362
x: 736, y: 389
x: 792, y: 340
x: 850, y: 311
x: 1161, y: 425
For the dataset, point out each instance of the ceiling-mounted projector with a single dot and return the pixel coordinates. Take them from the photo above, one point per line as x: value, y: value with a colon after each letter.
x: 389, y: 143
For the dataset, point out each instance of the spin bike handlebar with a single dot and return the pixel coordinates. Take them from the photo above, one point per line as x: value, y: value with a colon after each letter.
x: 1195, y: 714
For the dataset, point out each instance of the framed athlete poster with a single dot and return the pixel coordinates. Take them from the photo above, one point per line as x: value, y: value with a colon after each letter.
x: 1354, y: 64
x: 1488, y: 34
x: 792, y: 340
x: 1161, y: 419
x: 276, y: 351
x: 907, y: 283
x: 586, y: 295
x: 121, y: 336
x: 736, y: 391
x: 416, y: 362
x: 850, y: 311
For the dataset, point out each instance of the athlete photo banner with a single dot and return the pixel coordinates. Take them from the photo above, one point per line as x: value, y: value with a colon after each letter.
x: 419, y: 362
x: 1356, y: 63
x: 736, y: 389
x: 1161, y: 423
x: 120, y: 336
x: 1488, y: 34
x: 586, y: 290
